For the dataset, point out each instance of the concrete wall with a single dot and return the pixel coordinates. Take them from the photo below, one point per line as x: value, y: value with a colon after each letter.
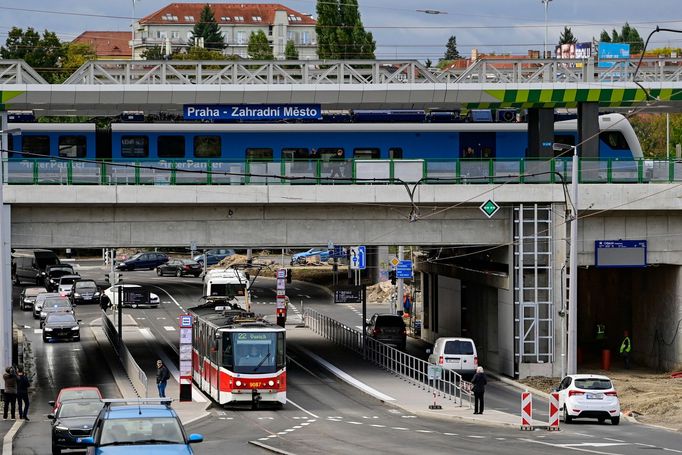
x: 449, y: 322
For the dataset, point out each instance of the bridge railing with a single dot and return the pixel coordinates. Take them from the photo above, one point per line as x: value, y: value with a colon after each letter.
x: 344, y: 172
x: 445, y: 383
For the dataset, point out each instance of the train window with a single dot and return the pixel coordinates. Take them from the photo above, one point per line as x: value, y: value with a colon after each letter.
x: 228, y: 356
x: 567, y: 139
x: 135, y: 147
x: 366, y: 154
x: 72, y: 146
x: 477, y: 145
x: 207, y: 146
x: 259, y: 154
x: 395, y: 153
x: 281, y: 351
x: 327, y: 154
x: 614, y: 139
x: 170, y: 146
x: 295, y: 154
x: 38, y: 145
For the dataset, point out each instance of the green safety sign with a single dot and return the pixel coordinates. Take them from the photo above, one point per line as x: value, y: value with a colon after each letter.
x: 490, y: 208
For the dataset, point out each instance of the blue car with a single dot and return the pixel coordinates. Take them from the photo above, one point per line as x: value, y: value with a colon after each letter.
x: 214, y: 256
x: 136, y: 426
x: 300, y: 258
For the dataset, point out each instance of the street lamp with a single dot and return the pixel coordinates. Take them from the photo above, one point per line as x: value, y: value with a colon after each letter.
x: 132, y: 32
x: 546, y: 3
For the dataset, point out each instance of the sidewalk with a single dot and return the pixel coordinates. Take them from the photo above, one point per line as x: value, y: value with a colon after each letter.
x: 140, y: 343
x: 387, y: 387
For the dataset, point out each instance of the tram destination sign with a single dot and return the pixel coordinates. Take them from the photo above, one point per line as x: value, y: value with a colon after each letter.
x: 353, y: 294
x: 620, y: 253
x: 250, y: 112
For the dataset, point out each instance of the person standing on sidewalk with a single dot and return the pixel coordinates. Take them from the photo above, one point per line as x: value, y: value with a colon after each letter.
x: 23, y: 383
x: 162, y: 377
x: 479, y: 381
x: 10, y: 392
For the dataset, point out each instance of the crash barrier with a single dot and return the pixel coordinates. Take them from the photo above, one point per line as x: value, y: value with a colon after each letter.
x: 137, y: 376
x: 527, y: 412
x: 553, y: 411
x: 431, y: 378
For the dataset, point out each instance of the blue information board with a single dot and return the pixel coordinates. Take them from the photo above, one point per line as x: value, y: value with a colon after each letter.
x: 252, y: 112
x: 620, y: 253
x: 612, y: 51
x: 404, y: 270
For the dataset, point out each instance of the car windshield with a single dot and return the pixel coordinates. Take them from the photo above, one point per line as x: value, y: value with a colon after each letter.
x: 76, y: 408
x: 45, y: 259
x: 67, y: 280
x: 227, y: 290
x: 135, y: 256
x: 60, y: 318
x: 59, y: 272
x: 40, y: 298
x: 158, y: 430
x: 78, y: 394
x: 189, y: 262
x: 459, y: 347
x: 56, y: 303
x: 593, y: 384
x: 389, y: 321
x: 85, y: 286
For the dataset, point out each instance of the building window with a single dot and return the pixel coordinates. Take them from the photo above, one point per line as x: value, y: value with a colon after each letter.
x: 239, y: 18
x: 170, y: 146
x: 305, y: 37
x: 241, y: 37
x: 259, y: 154
x: 175, y: 35
x: 256, y: 18
x: 39, y: 145
x: 207, y: 146
x: 134, y: 147
x: 72, y: 146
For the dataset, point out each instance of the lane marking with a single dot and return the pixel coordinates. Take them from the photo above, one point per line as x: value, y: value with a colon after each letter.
x: 170, y: 296
x: 451, y: 434
x: 672, y: 450
x: 476, y: 436
x: 579, y: 449
x: 304, y: 410
x: 614, y: 440
x: 354, y: 423
x: 38, y: 331
x: 169, y: 328
x: 424, y: 431
x: 376, y: 425
x: 399, y: 428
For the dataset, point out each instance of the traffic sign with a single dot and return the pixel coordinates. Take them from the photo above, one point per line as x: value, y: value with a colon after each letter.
x: 395, y: 262
x: 490, y: 208
x: 337, y: 251
x: 404, y: 270
x: 281, y: 273
x: 358, y: 258
x: 185, y: 320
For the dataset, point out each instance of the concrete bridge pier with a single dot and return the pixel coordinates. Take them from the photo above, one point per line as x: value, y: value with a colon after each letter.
x: 588, y: 130
x: 540, y: 133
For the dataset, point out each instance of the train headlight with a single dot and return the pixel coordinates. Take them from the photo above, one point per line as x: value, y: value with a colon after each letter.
x: 238, y: 383
x: 271, y: 383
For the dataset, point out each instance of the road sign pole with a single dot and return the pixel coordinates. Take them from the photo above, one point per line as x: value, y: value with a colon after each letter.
x: 120, y: 314
x: 364, y: 322
x: 399, y: 281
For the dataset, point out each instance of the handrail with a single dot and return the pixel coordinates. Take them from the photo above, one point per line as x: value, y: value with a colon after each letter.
x: 413, y: 370
x: 323, y: 172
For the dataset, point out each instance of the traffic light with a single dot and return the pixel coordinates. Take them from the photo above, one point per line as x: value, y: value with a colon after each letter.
x: 391, y: 275
x: 288, y: 276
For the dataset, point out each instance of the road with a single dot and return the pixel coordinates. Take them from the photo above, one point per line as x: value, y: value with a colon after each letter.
x: 323, y: 414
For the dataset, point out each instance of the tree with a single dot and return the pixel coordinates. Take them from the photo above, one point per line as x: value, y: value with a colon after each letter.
x: 201, y: 53
x: 43, y: 53
x: 567, y: 37
x: 328, y: 19
x: 604, y: 37
x: 153, y: 53
x: 340, y: 33
x: 259, y: 47
x: 451, y: 52
x: 428, y: 63
x: 207, y: 28
x: 290, y: 52
x: 628, y: 34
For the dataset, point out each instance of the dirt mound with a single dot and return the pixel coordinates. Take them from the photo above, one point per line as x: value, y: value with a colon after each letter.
x: 380, y: 292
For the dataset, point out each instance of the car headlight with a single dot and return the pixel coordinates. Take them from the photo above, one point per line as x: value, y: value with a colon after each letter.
x: 77, y: 295
x: 96, y: 294
x: 76, y: 328
x: 43, y: 314
x: 42, y: 273
x: 61, y: 428
x: 47, y: 329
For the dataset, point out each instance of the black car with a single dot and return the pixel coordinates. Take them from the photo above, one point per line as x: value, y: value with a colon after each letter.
x: 388, y: 329
x: 74, y: 419
x: 84, y: 291
x: 61, y: 326
x: 149, y: 260
x: 180, y: 267
x: 54, y: 272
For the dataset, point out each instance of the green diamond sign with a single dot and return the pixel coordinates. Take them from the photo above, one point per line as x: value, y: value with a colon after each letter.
x: 490, y: 208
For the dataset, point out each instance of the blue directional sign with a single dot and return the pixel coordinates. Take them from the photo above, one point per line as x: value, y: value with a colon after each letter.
x: 252, y: 112
x: 358, y: 258
x: 404, y: 270
x: 337, y: 252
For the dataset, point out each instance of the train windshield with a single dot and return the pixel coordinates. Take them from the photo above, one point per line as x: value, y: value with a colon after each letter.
x: 253, y: 352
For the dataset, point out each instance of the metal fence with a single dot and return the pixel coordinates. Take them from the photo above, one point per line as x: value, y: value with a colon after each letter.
x: 137, y: 376
x: 443, y: 383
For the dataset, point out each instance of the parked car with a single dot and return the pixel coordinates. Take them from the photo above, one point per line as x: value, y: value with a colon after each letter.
x: 72, y: 421
x: 75, y: 393
x: 40, y: 301
x: 456, y: 354
x: 149, y: 260
x: 214, y: 256
x: 588, y: 396
x: 389, y: 329
x: 28, y: 296
x: 84, y: 291
x: 300, y: 258
x: 136, y: 296
x: 29, y: 265
x: 180, y: 267
x: 61, y: 326
x: 66, y: 283
x: 59, y: 304
x: 129, y: 428
x: 54, y: 272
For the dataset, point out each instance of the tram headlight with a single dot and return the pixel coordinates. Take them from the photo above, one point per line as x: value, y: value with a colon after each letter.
x: 238, y: 383
x: 271, y: 383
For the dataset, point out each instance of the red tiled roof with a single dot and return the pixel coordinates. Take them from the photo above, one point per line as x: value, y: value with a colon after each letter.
x: 189, y: 13
x: 107, y: 44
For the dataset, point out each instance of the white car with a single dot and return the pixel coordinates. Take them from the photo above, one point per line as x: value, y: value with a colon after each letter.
x: 136, y: 296
x: 66, y: 283
x: 588, y: 396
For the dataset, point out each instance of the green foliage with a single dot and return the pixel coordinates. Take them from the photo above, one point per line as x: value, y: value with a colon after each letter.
x: 153, y: 53
x: 665, y: 51
x: 650, y: 129
x: 451, y: 52
x: 208, y: 29
x: 290, y: 52
x: 259, y: 47
x: 340, y: 33
x: 201, y: 53
x: 628, y: 34
x: 567, y: 36
x: 428, y: 63
x: 42, y: 53
x: 605, y: 37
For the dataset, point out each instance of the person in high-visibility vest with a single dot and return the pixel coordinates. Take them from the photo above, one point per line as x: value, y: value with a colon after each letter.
x: 625, y: 349
x: 601, y: 336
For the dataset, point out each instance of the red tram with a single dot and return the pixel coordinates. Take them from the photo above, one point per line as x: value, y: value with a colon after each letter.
x: 238, y: 356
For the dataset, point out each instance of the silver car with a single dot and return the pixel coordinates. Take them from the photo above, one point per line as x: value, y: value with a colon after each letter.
x: 40, y: 300
x: 59, y: 304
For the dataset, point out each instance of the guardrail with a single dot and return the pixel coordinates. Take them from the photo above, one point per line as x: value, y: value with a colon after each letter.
x: 320, y: 172
x: 444, y: 383
x: 137, y: 376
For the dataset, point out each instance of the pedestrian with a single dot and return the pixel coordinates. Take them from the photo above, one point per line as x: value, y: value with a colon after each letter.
x: 23, y: 383
x: 10, y: 392
x: 162, y: 377
x: 625, y: 349
x: 479, y: 381
x: 337, y: 170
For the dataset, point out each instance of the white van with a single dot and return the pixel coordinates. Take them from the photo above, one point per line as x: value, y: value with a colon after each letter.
x: 227, y: 283
x: 456, y: 354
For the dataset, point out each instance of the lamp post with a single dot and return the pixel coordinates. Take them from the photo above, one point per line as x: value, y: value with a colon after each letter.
x: 546, y: 3
x: 132, y: 32
x: 572, y: 364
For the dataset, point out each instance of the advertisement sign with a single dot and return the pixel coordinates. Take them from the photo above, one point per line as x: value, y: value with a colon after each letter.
x: 576, y: 50
x: 612, y: 51
x: 241, y: 112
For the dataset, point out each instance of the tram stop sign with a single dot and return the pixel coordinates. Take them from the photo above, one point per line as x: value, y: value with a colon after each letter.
x: 490, y: 208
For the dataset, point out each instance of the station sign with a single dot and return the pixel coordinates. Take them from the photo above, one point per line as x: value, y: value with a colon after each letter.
x: 237, y: 112
x: 620, y: 253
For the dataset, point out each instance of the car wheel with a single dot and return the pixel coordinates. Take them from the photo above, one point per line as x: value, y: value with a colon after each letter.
x: 56, y: 450
x: 159, y: 272
x: 44, y: 339
x: 178, y: 273
x: 567, y: 418
x: 615, y: 420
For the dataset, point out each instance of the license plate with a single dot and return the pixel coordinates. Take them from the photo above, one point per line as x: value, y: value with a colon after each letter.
x: 595, y: 396
x: 452, y: 360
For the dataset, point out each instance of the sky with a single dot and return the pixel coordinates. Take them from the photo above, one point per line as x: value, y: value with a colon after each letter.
x: 401, y: 32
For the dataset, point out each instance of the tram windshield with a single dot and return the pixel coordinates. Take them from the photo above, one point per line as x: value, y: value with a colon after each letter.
x: 253, y: 352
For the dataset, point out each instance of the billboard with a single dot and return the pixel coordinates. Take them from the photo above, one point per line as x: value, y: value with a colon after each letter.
x: 612, y: 51
x: 576, y: 50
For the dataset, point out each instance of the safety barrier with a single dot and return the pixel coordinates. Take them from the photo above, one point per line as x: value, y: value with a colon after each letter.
x: 443, y: 383
x: 553, y: 411
x: 137, y: 376
x: 526, y: 411
x: 321, y: 172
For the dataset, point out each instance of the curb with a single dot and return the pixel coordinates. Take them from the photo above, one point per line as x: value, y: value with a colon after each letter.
x: 270, y: 448
x: 8, y: 440
x: 516, y: 384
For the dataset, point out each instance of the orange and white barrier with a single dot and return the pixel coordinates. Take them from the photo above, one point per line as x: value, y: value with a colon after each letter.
x: 526, y: 411
x: 553, y: 412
